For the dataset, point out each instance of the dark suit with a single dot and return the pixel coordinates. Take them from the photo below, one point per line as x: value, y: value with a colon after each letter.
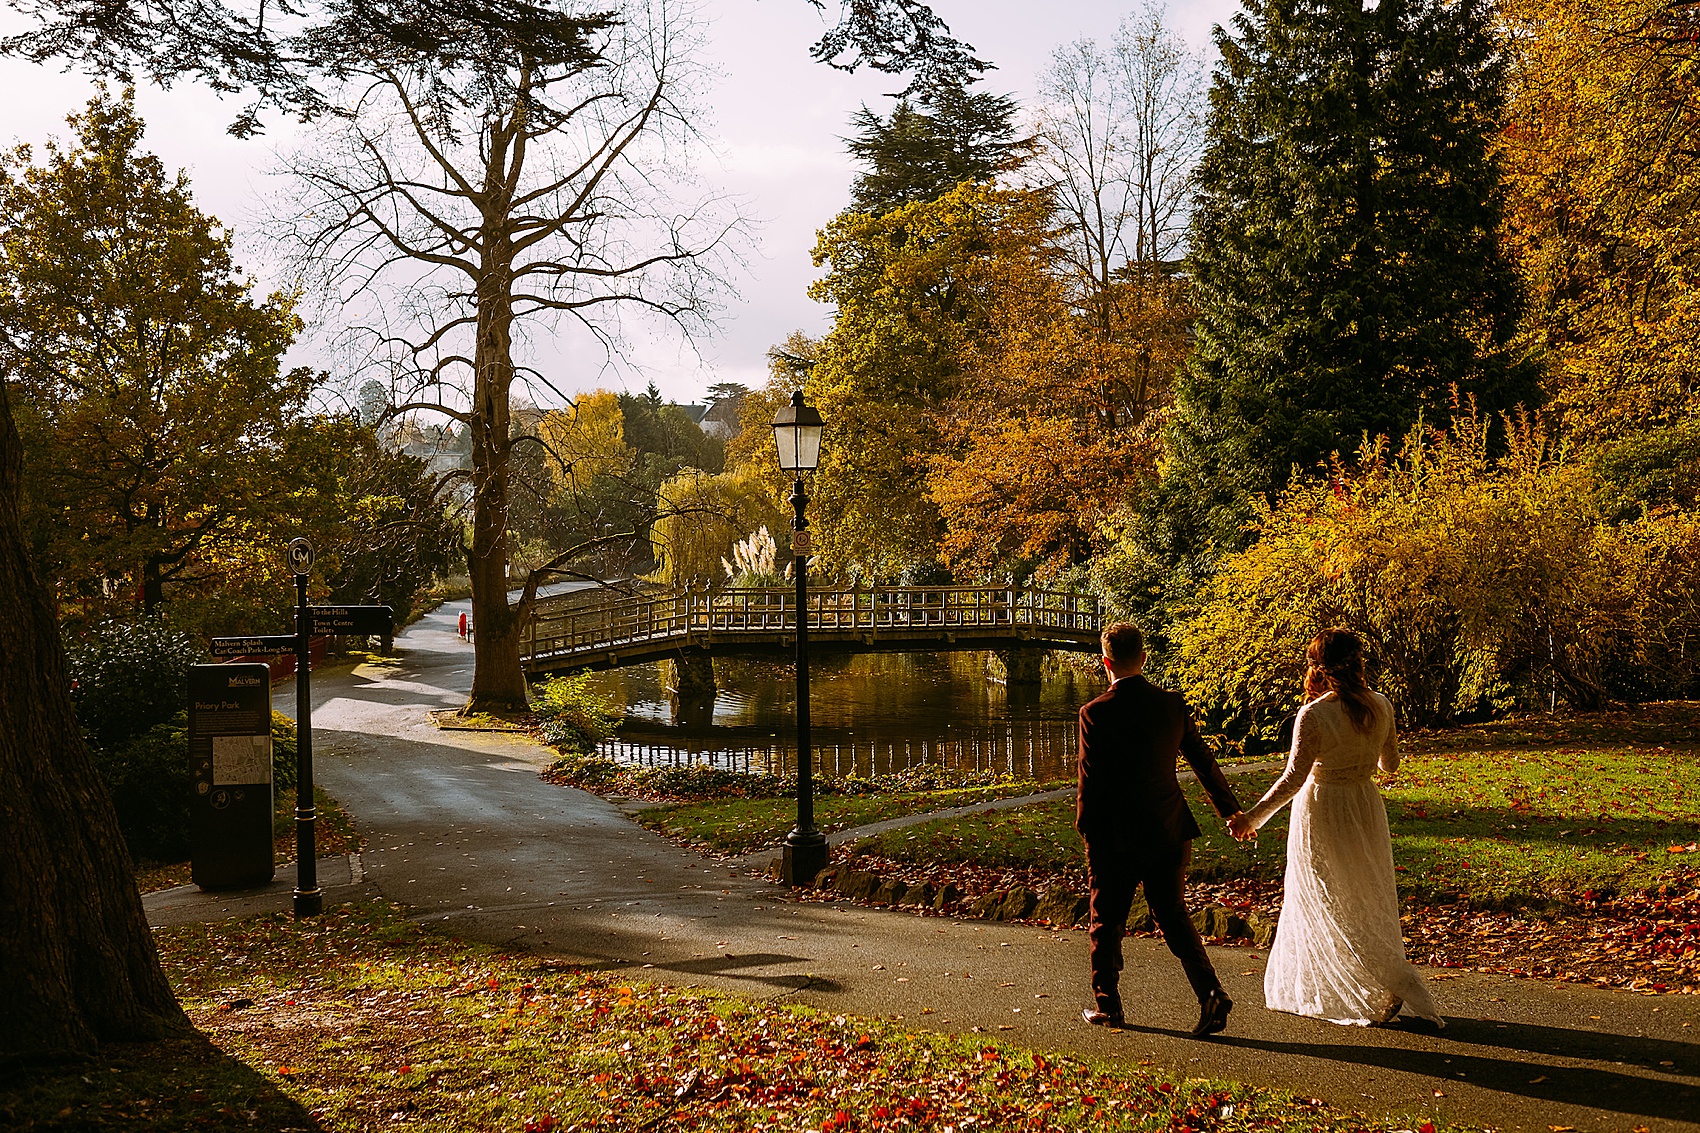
x: 1136, y: 824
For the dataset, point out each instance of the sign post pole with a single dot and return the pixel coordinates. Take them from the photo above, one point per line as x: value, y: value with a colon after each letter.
x: 309, y: 900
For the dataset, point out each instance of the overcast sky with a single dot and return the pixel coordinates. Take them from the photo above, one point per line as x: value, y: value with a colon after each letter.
x: 777, y: 120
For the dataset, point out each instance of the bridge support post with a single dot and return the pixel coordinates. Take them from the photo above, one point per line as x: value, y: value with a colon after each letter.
x: 1022, y: 668
x: 691, y: 676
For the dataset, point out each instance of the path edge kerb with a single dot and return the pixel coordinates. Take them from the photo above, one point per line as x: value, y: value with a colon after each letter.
x: 760, y: 858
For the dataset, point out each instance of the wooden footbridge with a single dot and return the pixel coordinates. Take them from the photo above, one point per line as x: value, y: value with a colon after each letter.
x: 567, y: 633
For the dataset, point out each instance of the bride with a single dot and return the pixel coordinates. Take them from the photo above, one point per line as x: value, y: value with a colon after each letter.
x: 1338, y: 952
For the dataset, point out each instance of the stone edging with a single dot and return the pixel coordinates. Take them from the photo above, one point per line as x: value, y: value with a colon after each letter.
x: 1059, y: 906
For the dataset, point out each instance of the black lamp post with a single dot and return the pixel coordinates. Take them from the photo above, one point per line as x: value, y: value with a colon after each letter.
x: 796, y: 432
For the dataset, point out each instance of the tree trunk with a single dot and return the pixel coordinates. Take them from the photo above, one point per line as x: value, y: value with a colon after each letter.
x: 153, y: 586
x: 77, y: 962
x: 498, y: 683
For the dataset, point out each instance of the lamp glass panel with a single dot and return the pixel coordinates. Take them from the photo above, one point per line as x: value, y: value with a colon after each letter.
x: 785, y: 439
x: 808, y: 446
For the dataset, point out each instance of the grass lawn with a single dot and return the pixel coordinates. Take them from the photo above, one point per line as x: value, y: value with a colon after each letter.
x: 359, y: 1020
x: 741, y: 826
x: 1544, y: 829
x: 1563, y: 850
x: 333, y: 833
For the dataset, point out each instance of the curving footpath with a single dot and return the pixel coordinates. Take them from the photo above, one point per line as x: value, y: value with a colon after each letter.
x: 462, y: 831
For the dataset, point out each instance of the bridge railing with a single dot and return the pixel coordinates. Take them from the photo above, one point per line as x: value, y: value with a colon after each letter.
x: 555, y: 632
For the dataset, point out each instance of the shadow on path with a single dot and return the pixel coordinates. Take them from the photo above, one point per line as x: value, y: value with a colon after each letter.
x: 1640, y: 1094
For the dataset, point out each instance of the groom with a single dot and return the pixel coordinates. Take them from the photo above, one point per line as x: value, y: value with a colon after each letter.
x: 1136, y: 825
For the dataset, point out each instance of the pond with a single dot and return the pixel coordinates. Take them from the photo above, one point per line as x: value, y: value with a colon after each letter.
x: 870, y: 714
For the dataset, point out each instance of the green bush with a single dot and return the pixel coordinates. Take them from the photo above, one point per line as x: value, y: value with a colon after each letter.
x: 128, y: 677
x: 573, y: 716
x: 148, y: 778
x: 152, y: 789
x: 283, y: 752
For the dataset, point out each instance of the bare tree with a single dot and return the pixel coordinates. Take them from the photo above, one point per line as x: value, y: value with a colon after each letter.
x: 1120, y: 132
x: 465, y: 198
x: 1122, y: 129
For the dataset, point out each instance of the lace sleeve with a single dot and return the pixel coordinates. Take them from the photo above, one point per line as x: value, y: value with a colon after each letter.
x: 1307, y: 740
x: 1390, y: 745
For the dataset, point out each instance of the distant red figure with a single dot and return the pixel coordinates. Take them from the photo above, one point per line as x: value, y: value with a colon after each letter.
x: 463, y: 624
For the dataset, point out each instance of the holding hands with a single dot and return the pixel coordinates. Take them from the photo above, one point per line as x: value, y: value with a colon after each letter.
x: 1240, y: 826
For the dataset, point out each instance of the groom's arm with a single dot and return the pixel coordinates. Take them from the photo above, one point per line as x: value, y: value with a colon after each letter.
x: 1198, y: 755
x: 1088, y: 805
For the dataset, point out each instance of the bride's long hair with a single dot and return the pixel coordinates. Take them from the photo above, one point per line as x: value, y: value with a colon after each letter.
x: 1335, y: 660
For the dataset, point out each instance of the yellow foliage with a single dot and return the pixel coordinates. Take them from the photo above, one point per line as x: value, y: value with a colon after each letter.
x: 1467, y: 576
x: 700, y: 516
x: 974, y: 416
x: 585, y: 440
x: 1601, y: 176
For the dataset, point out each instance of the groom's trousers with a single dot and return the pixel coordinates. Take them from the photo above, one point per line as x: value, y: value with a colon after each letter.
x: 1114, y: 877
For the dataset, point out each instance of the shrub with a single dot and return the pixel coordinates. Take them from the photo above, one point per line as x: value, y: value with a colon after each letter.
x: 1466, y: 575
x: 283, y: 752
x: 148, y: 778
x: 130, y: 676
x: 700, y: 781
x: 1655, y: 558
x: 573, y: 716
x: 152, y: 789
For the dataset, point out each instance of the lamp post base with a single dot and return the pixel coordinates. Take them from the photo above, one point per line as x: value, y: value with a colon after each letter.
x: 802, y: 858
x: 309, y: 902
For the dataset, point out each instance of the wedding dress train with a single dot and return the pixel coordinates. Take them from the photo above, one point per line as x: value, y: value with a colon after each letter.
x: 1339, y: 953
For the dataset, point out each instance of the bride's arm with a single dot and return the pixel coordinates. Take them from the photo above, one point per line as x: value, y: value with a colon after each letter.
x: 1390, y: 748
x: 1306, y: 740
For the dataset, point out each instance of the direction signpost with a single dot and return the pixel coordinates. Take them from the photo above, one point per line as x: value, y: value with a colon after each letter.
x: 364, y: 621
x: 361, y: 621
x: 253, y: 646
x: 309, y: 900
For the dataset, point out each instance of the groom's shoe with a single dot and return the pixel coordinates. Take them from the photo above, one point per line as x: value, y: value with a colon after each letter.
x: 1212, y: 1014
x: 1101, y: 1018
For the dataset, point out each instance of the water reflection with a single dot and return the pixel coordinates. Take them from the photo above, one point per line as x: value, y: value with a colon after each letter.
x: 870, y: 714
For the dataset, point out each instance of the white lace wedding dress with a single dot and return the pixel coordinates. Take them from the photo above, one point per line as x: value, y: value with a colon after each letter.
x: 1338, y: 952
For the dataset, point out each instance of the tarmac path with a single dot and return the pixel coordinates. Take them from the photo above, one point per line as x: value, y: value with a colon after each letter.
x: 462, y: 832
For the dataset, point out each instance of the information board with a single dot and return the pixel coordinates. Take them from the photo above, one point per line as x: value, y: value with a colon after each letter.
x: 230, y: 759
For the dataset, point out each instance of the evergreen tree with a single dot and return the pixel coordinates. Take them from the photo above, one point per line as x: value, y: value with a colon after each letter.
x: 923, y: 151
x: 1345, y: 263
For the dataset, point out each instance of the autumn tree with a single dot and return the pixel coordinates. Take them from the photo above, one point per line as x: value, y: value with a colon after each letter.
x: 1602, y: 184
x: 1346, y: 264
x: 912, y: 288
x: 147, y: 376
x: 604, y: 475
